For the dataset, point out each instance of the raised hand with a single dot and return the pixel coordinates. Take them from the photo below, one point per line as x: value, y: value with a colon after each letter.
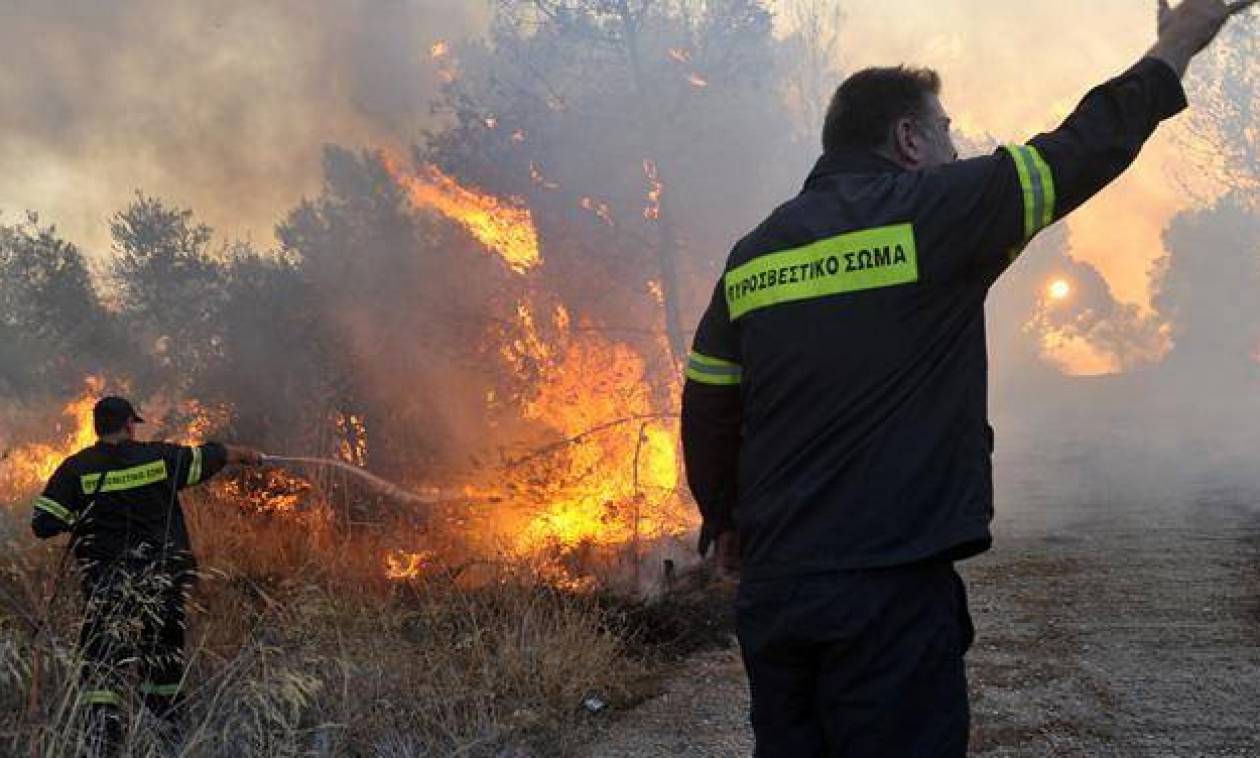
x: 1185, y: 30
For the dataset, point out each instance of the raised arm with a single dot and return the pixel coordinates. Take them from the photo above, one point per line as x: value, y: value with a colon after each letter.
x: 995, y: 204
x: 1107, y: 130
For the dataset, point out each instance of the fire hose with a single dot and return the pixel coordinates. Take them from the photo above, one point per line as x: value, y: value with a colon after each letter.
x: 376, y: 483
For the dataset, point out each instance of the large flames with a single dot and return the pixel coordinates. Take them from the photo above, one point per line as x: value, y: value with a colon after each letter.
x: 503, y: 227
x: 607, y: 475
x: 611, y: 476
x: 26, y: 467
x: 596, y: 472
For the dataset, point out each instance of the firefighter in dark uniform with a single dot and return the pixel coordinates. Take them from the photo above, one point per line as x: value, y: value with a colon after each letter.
x: 835, y: 411
x: 118, y: 501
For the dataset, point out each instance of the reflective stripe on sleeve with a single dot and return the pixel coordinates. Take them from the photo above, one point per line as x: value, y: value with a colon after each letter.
x: 55, y: 509
x: 194, y: 468
x: 163, y: 690
x: 101, y: 697
x: 1037, y: 182
x: 707, y: 370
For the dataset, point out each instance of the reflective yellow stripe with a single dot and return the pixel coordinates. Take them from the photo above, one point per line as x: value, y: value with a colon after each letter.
x: 1047, y: 183
x: 53, y: 508
x: 165, y: 690
x: 862, y: 260
x: 126, y: 479
x: 1037, y: 183
x: 101, y: 697
x: 708, y: 370
x: 1025, y: 182
x: 194, y: 469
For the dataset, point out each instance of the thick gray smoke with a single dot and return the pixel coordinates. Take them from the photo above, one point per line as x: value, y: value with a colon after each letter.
x: 222, y: 106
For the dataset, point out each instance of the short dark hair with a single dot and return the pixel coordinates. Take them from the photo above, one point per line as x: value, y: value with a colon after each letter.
x: 868, y: 104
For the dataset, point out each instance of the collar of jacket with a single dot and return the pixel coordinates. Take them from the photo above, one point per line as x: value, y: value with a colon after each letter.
x: 851, y: 162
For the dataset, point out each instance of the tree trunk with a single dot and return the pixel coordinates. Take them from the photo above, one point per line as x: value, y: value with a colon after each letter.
x: 667, y: 240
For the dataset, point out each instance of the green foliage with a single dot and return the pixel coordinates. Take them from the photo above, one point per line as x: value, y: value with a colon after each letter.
x: 582, y: 95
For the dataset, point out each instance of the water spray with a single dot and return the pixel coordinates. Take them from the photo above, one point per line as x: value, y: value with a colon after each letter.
x: 384, y: 487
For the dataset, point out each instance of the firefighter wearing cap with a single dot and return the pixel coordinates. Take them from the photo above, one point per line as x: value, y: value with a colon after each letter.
x: 835, y: 414
x: 118, y: 500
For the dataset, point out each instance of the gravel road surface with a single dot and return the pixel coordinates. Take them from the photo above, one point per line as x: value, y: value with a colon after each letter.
x: 1118, y: 615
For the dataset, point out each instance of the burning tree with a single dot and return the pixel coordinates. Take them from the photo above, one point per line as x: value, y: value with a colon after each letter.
x: 504, y: 313
x: 406, y: 302
x: 591, y: 130
x: 614, y: 120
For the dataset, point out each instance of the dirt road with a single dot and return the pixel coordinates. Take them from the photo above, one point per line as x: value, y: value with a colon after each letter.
x: 1112, y: 619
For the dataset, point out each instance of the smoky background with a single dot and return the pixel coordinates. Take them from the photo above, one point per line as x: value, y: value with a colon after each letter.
x: 644, y: 137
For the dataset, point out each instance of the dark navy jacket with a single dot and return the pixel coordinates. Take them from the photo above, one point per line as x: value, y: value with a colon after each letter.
x: 835, y: 409
x: 136, y: 509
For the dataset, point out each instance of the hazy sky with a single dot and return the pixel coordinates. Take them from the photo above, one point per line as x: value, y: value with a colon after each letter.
x: 223, y: 107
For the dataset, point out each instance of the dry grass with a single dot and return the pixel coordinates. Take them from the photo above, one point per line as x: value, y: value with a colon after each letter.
x: 299, y: 645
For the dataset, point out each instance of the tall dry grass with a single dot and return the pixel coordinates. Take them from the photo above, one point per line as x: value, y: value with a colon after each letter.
x: 299, y: 645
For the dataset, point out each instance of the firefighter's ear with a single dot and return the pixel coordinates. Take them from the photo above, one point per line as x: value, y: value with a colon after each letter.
x: 907, y: 144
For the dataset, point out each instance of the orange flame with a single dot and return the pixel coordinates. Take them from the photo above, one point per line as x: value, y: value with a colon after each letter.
x: 537, y: 177
x: 612, y: 476
x: 440, y: 53
x: 656, y: 291
x: 599, y: 208
x: 402, y: 565
x: 504, y: 227
x: 697, y: 81
x: 199, y: 421
x: 607, y: 472
x: 352, y: 443
x: 268, y: 490
x: 653, y: 210
x: 27, y: 467
x: 615, y: 476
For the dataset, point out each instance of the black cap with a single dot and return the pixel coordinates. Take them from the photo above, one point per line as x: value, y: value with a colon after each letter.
x: 112, y: 413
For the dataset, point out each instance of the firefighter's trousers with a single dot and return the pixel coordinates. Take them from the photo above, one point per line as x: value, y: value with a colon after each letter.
x: 860, y: 663
x: 132, y: 639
